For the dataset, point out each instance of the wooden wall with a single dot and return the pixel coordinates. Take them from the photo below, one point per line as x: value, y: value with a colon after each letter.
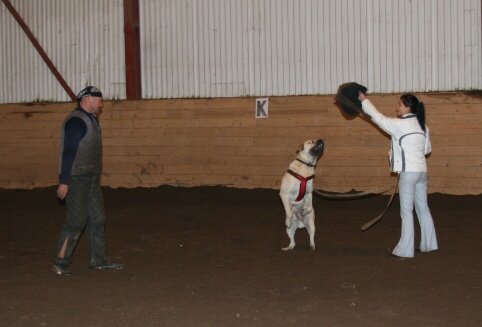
x: 193, y: 142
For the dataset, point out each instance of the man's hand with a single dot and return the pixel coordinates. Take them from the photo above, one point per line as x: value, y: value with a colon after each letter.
x: 62, y: 191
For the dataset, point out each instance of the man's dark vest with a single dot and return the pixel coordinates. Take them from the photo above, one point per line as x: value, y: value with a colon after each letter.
x: 88, y: 160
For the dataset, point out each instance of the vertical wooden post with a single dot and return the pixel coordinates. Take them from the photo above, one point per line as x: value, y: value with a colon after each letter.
x: 132, y: 50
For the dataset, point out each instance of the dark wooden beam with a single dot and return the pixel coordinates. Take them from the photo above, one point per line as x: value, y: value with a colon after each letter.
x: 132, y: 49
x: 40, y: 50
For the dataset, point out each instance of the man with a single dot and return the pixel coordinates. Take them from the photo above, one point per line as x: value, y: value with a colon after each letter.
x: 79, y: 168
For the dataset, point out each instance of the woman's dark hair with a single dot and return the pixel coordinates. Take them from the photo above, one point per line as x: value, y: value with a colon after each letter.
x: 416, y: 107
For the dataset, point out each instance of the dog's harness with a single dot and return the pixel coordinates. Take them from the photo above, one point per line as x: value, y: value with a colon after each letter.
x: 303, y: 181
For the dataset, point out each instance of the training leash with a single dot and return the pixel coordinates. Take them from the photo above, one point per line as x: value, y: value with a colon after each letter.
x: 332, y: 196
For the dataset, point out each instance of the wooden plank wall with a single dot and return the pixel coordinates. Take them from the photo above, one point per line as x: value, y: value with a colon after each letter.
x: 193, y: 142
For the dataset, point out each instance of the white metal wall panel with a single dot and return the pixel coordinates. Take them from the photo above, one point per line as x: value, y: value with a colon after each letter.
x: 224, y: 48
x: 83, y: 39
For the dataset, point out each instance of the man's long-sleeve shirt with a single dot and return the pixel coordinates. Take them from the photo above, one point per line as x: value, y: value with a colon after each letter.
x: 74, y: 130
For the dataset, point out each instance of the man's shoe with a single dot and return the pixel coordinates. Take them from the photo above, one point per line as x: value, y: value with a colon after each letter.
x: 109, y: 266
x: 60, y: 270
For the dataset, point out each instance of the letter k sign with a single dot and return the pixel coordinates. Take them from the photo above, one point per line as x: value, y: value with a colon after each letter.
x: 262, y: 108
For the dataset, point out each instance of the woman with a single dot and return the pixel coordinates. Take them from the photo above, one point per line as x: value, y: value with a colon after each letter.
x: 409, y: 146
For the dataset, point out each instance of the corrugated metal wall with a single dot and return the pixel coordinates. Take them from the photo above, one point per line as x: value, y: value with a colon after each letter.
x: 218, y: 48
x: 84, y: 40
x: 229, y: 48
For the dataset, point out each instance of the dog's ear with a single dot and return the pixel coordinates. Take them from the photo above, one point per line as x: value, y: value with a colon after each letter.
x: 301, y: 147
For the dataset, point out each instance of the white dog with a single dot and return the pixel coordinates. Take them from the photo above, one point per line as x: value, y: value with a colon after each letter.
x: 296, y: 191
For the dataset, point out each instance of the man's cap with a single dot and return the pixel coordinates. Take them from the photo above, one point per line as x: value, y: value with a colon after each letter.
x: 347, y: 97
x: 89, y: 90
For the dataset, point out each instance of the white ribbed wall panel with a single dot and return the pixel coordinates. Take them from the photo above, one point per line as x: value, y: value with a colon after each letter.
x: 225, y: 48
x: 83, y: 39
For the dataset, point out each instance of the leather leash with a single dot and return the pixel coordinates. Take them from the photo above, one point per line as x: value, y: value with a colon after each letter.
x: 331, y: 196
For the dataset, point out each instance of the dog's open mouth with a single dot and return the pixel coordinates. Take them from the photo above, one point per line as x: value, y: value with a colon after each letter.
x: 318, y: 148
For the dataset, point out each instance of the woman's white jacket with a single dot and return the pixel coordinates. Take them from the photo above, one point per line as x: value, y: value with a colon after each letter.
x: 410, y: 144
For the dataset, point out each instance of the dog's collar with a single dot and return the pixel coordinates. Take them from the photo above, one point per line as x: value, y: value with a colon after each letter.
x: 309, y: 165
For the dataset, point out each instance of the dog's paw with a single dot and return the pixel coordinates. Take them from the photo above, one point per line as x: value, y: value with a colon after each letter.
x: 304, y: 212
x: 288, y: 223
x: 288, y: 248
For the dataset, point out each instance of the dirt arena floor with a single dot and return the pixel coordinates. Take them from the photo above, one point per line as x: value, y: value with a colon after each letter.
x: 211, y: 256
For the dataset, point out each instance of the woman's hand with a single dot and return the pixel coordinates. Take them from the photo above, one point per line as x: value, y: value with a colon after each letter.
x: 362, y: 96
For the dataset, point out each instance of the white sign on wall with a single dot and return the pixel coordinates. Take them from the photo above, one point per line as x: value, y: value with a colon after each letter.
x: 262, y: 108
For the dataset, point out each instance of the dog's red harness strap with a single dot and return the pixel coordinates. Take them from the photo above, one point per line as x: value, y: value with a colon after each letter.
x: 303, y: 181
